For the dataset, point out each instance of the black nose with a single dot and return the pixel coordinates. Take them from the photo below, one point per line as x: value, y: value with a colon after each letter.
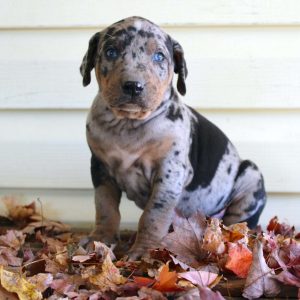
x: 133, y: 88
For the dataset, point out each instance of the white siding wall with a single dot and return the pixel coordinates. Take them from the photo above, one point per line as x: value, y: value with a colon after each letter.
x: 244, y: 66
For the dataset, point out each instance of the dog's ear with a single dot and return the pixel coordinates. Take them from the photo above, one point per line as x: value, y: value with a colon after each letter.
x: 89, y: 59
x: 179, y: 67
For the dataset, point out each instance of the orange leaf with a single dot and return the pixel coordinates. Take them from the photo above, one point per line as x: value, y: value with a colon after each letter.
x: 239, y: 259
x: 166, y: 281
x: 143, y: 281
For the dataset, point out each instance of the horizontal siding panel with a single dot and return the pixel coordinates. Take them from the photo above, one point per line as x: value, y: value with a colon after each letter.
x: 67, y: 206
x: 228, y: 68
x: 70, y: 13
x: 47, y: 149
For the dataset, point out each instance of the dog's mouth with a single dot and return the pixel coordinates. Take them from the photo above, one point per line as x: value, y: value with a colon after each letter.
x: 130, y: 111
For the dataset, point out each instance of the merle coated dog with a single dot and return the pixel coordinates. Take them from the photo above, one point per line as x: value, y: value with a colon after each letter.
x: 144, y: 141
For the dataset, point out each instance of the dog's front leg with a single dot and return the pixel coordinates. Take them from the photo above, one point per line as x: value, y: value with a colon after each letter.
x: 107, y: 200
x: 158, y: 214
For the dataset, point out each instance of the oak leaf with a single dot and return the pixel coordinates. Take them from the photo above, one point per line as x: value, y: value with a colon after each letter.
x: 260, y: 280
x: 239, y: 259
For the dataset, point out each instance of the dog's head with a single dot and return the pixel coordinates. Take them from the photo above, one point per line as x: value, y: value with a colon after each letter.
x: 134, y: 62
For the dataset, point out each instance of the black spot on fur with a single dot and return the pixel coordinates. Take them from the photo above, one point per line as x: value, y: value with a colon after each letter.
x: 142, y: 49
x: 185, y: 199
x: 173, y: 113
x: 261, y: 192
x: 104, y: 71
x: 253, y: 220
x: 98, y: 171
x: 169, y: 171
x: 158, y: 205
x: 146, y: 34
x: 87, y: 126
x: 229, y: 170
x: 167, y: 176
x: 176, y: 153
x: 131, y: 28
x: 133, y: 55
x: 243, y: 166
x: 209, y: 144
x: 158, y: 180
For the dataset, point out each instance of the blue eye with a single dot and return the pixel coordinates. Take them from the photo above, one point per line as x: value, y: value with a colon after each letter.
x: 111, y: 53
x: 158, y: 57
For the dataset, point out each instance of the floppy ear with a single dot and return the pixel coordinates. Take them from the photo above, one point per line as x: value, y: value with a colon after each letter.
x: 179, y: 67
x: 89, y: 59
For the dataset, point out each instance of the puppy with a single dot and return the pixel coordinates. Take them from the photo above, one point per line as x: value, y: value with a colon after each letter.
x: 145, y: 142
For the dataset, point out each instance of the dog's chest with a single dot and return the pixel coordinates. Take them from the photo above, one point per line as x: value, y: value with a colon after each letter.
x: 132, y: 161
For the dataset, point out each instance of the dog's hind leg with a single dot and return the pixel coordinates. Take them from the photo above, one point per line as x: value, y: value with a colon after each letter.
x: 248, y: 196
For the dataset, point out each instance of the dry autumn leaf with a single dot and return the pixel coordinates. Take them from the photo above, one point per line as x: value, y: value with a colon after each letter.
x: 239, y: 259
x: 186, y: 239
x: 260, y: 280
x: 16, y: 283
x: 213, y: 237
x: 199, y: 278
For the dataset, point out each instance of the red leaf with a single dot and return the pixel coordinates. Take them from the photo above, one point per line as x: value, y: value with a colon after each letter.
x: 239, y: 259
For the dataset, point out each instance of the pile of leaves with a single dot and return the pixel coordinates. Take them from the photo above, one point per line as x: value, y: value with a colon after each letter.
x: 199, y: 258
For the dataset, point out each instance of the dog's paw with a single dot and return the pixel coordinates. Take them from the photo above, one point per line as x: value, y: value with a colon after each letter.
x: 139, y: 250
x: 98, y: 236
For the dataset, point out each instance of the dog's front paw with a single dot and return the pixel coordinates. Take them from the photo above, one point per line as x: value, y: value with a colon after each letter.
x: 139, y: 250
x: 100, y: 236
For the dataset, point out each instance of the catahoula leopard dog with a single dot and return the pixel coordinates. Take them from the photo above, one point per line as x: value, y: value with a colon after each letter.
x: 146, y: 142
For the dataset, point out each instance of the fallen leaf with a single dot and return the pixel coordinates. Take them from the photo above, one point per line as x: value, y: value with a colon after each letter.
x: 13, y: 238
x: 213, y: 237
x: 107, y: 277
x: 8, y: 257
x: 18, y: 212
x: 281, y: 228
x: 207, y: 294
x: 199, y: 278
x: 239, y: 259
x: 166, y: 280
x: 260, y: 280
x: 41, y: 281
x: 236, y: 232
x: 15, y: 283
x: 186, y: 239
x: 82, y: 258
x: 147, y: 293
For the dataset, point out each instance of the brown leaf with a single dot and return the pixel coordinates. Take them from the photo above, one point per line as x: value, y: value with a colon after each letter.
x: 8, y: 257
x: 236, y: 232
x: 18, y: 212
x: 13, y: 238
x: 281, y: 228
x: 213, y: 237
x: 239, y: 259
x: 260, y: 280
x: 41, y: 281
x: 147, y: 293
x: 186, y: 239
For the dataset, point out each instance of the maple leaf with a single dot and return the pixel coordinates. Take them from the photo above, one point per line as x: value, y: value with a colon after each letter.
x: 239, y: 259
x: 166, y: 280
x: 280, y: 228
x: 186, y: 239
x: 260, y: 280
x: 213, y: 237
x: 15, y: 283
x: 199, y: 278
